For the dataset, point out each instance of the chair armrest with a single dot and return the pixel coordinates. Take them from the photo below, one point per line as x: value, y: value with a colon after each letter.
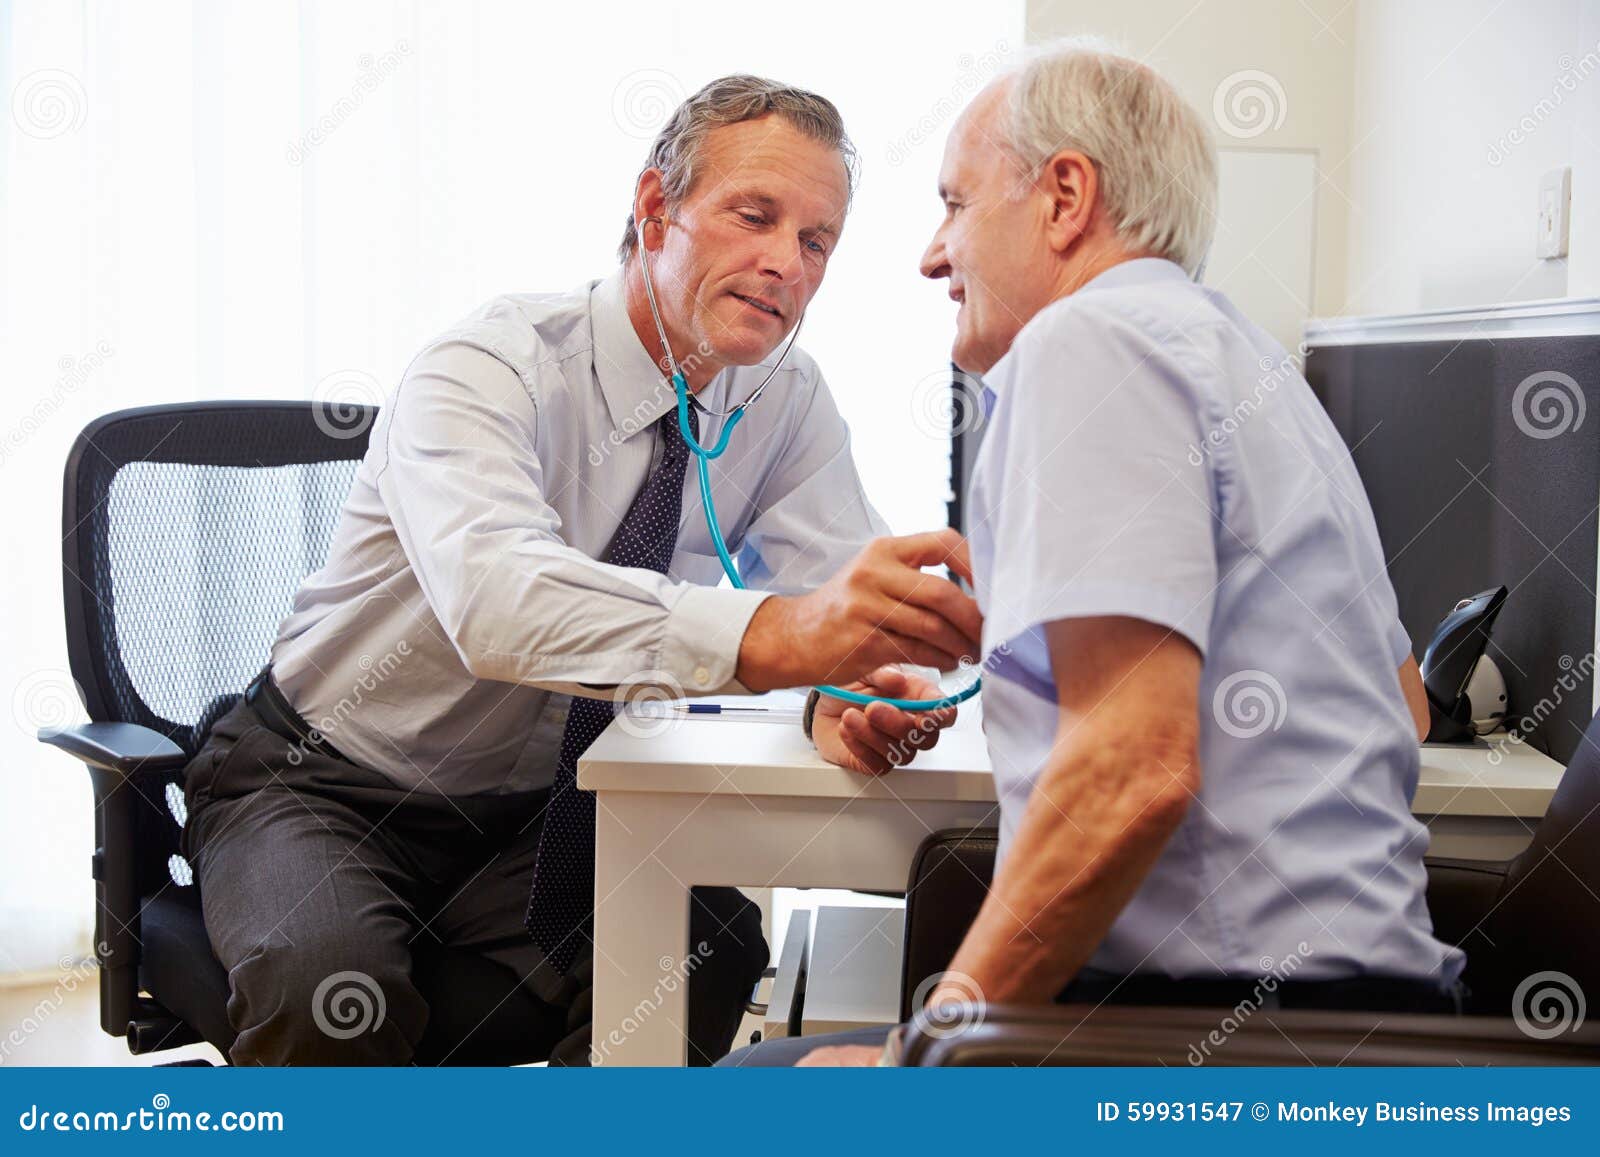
x: 1069, y: 1035
x: 949, y: 879
x: 120, y: 747
x: 114, y: 753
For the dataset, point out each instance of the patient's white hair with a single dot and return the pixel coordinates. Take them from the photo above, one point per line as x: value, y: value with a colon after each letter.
x: 1154, y: 155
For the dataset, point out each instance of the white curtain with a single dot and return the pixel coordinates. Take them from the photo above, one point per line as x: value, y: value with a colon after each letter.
x: 231, y: 199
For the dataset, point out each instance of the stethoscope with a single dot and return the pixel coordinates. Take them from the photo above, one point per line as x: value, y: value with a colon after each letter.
x: 704, y: 456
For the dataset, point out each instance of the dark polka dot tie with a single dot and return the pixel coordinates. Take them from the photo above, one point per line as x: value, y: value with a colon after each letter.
x: 561, y: 909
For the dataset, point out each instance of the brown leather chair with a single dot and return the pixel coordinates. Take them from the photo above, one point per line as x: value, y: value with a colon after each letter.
x: 950, y: 876
x: 1537, y: 913
x: 1069, y: 1035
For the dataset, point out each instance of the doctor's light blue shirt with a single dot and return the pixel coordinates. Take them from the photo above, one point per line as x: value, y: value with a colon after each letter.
x: 1149, y: 452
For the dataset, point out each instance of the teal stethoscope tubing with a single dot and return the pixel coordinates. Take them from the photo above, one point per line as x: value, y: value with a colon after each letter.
x: 702, y: 459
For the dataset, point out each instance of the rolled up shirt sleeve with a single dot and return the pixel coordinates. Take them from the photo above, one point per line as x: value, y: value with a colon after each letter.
x: 461, y: 479
x: 1399, y: 643
x: 1370, y: 558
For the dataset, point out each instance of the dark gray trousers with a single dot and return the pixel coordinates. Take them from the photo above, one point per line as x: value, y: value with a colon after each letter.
x: 332, y: 898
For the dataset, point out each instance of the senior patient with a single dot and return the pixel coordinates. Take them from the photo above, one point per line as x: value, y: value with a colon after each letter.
x: 1201, y: 707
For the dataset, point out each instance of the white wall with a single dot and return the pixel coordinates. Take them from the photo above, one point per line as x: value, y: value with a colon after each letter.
x: 1432, y: 122
x: 1460, y: 107
x: 1269, y: 75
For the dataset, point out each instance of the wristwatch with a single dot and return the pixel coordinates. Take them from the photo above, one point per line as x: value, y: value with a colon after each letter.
x: 810, y: 712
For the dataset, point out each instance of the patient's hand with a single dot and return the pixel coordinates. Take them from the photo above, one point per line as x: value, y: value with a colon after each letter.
x: 876, y: 738
x: 840, y: 1056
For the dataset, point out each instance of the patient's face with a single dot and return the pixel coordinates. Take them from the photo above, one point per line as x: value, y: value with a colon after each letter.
x: 991, y: 245
x: 749, y: 243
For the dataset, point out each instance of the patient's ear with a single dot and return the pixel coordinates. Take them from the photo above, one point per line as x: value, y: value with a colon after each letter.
x: 1072, y: 184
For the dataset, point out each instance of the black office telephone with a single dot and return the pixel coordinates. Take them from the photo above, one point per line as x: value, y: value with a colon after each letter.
x: 1449, y: 661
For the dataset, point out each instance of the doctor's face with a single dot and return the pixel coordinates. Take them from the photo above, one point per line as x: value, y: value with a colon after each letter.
x: 746, y: 249
x: 991, y: 246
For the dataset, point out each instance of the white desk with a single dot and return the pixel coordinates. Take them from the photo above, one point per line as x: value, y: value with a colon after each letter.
x: 752, y: 804
x: 1483, y: 802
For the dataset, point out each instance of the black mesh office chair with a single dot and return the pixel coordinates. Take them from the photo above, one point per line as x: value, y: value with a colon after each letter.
x: 186, y: 531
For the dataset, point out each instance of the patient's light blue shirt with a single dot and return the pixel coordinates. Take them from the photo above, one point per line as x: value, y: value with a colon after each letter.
x: 1149, y: 452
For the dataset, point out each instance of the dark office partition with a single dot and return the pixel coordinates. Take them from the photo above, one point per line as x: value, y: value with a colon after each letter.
x: 1482, y: 462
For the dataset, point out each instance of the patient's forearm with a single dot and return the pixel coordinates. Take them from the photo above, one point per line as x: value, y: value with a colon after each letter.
x: 1416, y: 697
x: 1098, y: 820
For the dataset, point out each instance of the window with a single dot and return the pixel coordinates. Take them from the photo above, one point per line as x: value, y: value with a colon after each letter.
x: 226, y: 199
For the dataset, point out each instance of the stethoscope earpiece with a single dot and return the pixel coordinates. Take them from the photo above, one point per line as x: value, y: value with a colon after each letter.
x: 674, y: 371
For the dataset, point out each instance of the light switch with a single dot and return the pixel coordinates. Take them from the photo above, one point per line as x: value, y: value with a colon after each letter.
x: 1555, y: 208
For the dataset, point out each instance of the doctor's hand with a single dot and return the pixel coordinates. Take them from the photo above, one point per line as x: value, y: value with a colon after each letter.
x: 877, y: 738
x: 880, y: 608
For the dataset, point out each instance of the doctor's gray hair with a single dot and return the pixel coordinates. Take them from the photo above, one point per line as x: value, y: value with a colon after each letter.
x: 1156, y: 161
x: 732, y: 100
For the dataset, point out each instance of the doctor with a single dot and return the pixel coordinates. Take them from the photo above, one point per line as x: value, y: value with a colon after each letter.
x: 515, y: 557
